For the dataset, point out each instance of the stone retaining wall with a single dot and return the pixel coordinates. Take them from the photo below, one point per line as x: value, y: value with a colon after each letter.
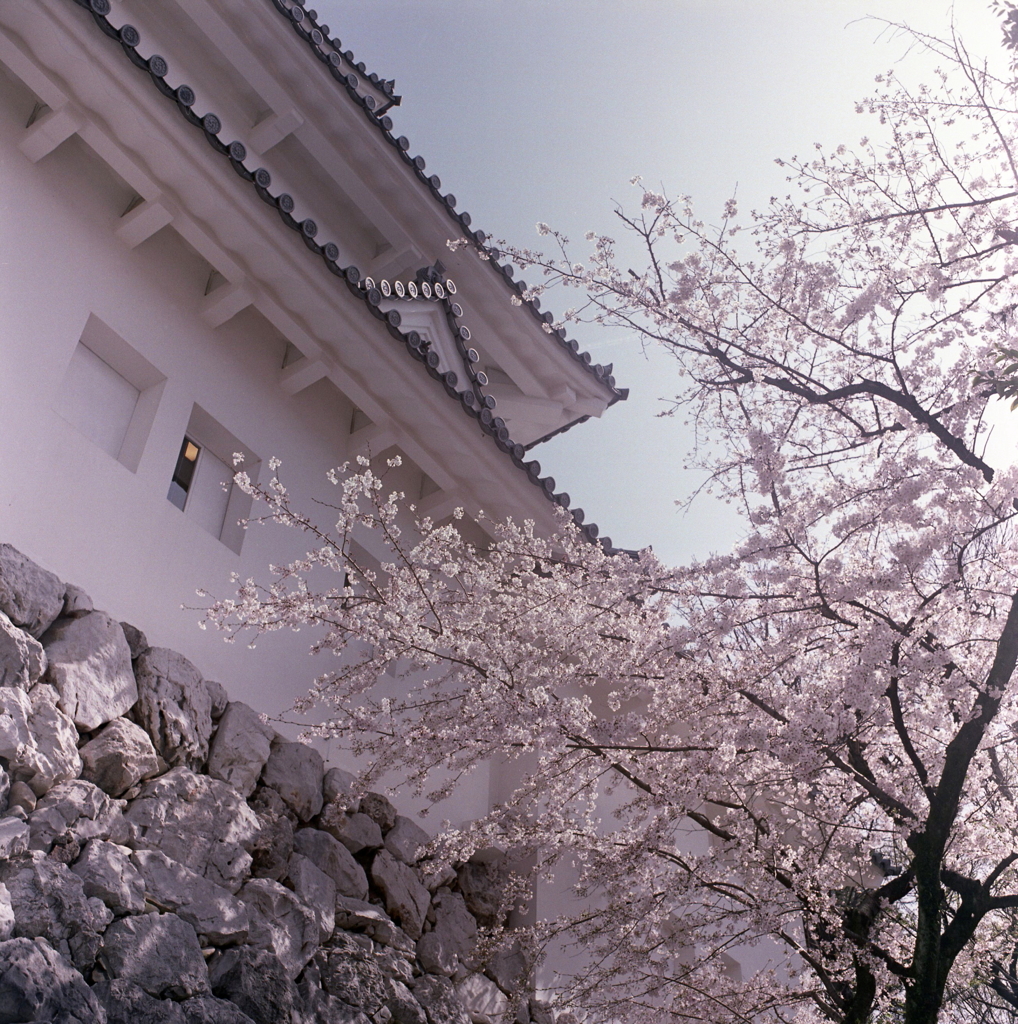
x: 167, y: 858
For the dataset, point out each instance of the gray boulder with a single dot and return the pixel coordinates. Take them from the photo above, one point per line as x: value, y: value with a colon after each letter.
x: 76, y: 602
x: 406, y: 900
x: 21, y: 795
x: 49, y: 902
x: 126, y: 1003
x: 159, y: 953
x: 30, y: 596
x: 452, y: 938
x: 75, y: 810
x: 135, y: 638
x: 90, y: 666
x: 316, y: 890
x: 508, y: 968
x: 240, y: 749
x: 280, y: 923
x: 38, y: 740
x: 5, y: 790
x: 357, y: 915
x: 355, y: 831
x: 212, y: 1010
x: 295, y: 771
x: 339, y: 786
x: 6, y: 914
x: 22, y: 657
x: 405, y: 840
x: 349, y: 974
x: 332, y: 857
x: 174, y: 707
x: 219, y: 697
x: 436, y: 873
x: 212, y: 911
x: 273, y: 846
x: 439, y: 999
x: 482, y: 884
x: 403, y: 1006
x: 200, y: 822
x: 14, y: 838
x: 107, y: 873
x: 38, y: 984
x: 256, y: 982
x: 118, y: 757
x: 482, y: 999
x: 379, y: 809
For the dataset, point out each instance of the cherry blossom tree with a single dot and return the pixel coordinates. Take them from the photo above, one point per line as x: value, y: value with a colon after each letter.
x: 800, y: 755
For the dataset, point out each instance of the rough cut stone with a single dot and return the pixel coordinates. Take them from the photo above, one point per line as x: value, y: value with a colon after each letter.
x: 257, y: 983
x: 22, y: 657
x: 107, y: 873
x: 49, y: 902
x: 541, y: 1012
x: 295, y: 771
x: 481, y: 998
x: 355, y: 831
x: 158, y: 952
x: 481, y: 885
x: 439, y: 999
x: 436, y: 873
x: 76, y: 602
x: 403, y: 1006
x: 322, y: 1008
x: 219, y: 697
x: 332, y: 857
x: 212, y: 1010
x: 451, y: 939
x: 349, y: 974
x: 5, y: 790
x: 240, y: 749
x: 316, y: 890
x: 174, y: 707
x: 339, y: 786
x: 21, y: 795
x: 119, y: 757
x: 127, y: 1003
x: 76, y: 810
x: 508, y: 968
x: 30, y: 596
x: 14, y: 837
x: 90, y: 666
x: 273, y: 847
x: 405, y: 840
x: 212, y: 911
x: 135, y: 638
x: 6, y: 914
x: 280, y: 923
x: 38, y: 740
x: 406, y: 899
x: 379, y: 809
x: 38, y: 984
x: 201, y: 822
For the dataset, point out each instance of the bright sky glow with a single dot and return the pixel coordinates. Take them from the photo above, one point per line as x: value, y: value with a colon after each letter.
x: 537, y: 111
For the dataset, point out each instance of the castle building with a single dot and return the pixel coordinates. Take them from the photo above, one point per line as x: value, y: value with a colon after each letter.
x: 213, y: 242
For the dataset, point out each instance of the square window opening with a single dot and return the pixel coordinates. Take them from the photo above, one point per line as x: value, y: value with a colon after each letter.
x: 110, y: 393
x: 201, y: 484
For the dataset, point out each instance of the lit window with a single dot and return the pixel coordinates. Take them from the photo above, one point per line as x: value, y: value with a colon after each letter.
x: 202, y: 482
x: 183, y: 474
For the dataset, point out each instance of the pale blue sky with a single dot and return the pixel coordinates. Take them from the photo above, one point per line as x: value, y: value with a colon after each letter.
x: 537, y: 111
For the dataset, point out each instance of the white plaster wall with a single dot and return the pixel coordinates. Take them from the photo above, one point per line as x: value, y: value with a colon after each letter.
x: 75, y: 509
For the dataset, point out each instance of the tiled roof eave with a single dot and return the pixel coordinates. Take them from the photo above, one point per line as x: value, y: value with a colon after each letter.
x: 305, y: 24
x: 472, y: 400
